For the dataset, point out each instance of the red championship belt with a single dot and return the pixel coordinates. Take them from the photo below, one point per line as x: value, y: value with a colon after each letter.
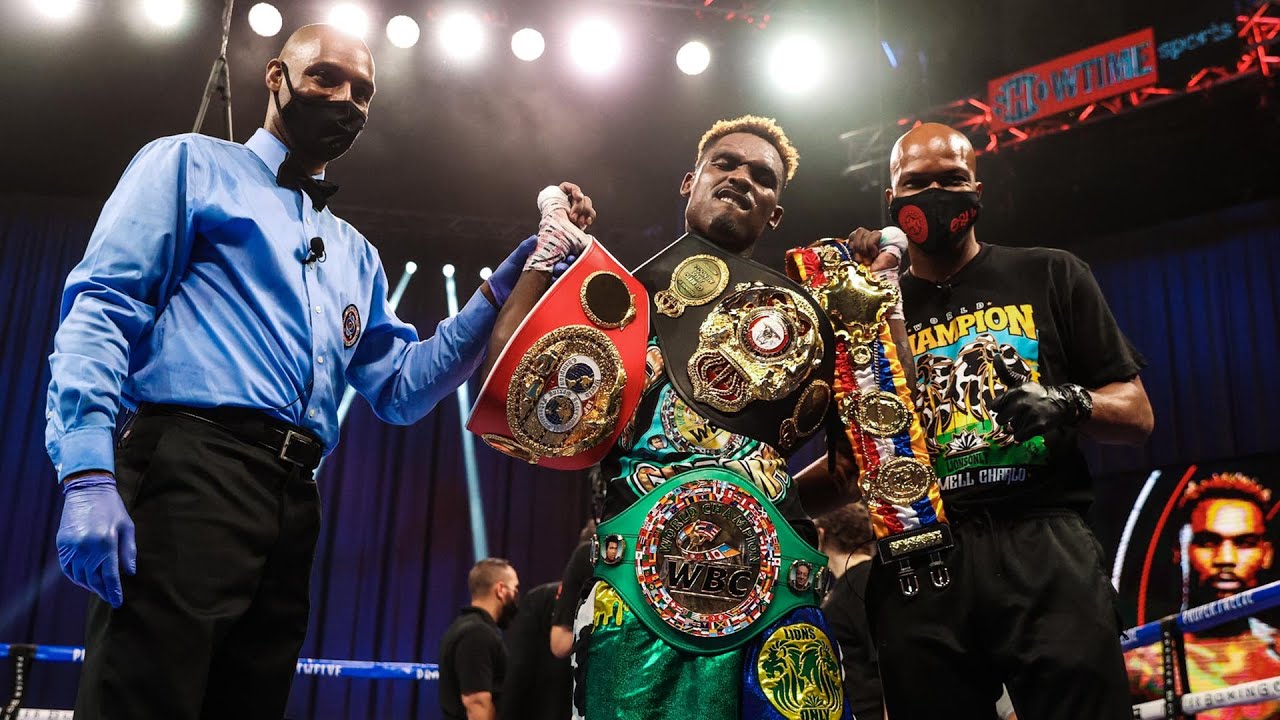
x: 573, y: 372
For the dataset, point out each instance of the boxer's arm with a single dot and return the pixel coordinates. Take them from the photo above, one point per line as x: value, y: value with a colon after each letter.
x: 528, y: 290
x: 1121, y: 414
x: 557, y: 243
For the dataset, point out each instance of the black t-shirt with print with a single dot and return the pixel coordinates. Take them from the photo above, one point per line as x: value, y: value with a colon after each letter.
x: 1039, y: 313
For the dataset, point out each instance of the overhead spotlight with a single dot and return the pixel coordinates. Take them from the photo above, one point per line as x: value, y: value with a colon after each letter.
x: 402, y: 31
x: 528, y: 44
x: 265, y: 19
x: 888, y: 53
x: 164, y: 13
x: 693, y: 58
x: 485, y: 273
x: 462, y: 35
x: 595, y: 46
x: 56, y: 9
x: 798, y: 63
x: 349, y: 18
x: 447, y: 270
x: 411, y: 267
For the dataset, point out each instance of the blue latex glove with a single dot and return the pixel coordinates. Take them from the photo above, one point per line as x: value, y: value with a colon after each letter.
x: 95, y: 538
x: 561, y: 267
x: 503, y: 280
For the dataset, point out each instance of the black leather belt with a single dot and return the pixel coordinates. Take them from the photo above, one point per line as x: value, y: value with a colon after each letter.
x: 289, y: 443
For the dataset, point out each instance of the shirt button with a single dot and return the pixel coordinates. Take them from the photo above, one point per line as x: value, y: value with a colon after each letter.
x: 320, y: 360
x: 311, y: 412
x: 319, y: 309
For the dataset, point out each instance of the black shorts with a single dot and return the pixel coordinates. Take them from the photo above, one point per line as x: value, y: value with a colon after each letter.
x: 1029, y: 606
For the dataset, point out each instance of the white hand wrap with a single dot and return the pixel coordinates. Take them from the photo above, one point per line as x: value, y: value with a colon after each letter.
x: 558, y: 237
x: 894, y: 242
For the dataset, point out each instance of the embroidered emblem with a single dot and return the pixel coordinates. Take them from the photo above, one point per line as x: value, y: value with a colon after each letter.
x: 799, y: 673
x: 350, y: 326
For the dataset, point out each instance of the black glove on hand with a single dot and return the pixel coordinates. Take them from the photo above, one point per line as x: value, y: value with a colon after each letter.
x: 1032, y: 409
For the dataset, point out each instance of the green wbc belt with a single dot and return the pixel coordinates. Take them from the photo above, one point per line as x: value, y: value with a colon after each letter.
x: 707, y: 562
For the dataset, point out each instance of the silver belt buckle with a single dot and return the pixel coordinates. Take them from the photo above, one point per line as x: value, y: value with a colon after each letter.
x: 289, y: 437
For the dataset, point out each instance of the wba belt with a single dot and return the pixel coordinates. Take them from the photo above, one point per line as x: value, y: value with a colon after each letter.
x: 874, y: 401
x: 706, y: 561
x: 744, y: 345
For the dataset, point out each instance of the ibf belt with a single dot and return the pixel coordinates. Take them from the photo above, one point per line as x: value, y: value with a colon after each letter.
x: 573, y: 372
x: 706, y: 561
x: 874, y: 402
x: 745, y: 346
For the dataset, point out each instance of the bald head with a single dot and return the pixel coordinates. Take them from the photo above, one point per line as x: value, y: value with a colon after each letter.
x: 321, y: 64
x: 928, y: 160
x: 312, y: 43
x: 932, y: 141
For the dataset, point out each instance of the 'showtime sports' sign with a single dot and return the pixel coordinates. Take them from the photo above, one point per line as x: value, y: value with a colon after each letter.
x: 1102, y: 71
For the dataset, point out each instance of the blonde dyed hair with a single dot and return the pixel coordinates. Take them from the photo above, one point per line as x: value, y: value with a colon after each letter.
x: 762, y: 127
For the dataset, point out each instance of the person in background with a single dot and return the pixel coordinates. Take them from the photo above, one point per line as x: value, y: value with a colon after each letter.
x: 539, y: 685
x: 473, y: 658
x: 845, y: 535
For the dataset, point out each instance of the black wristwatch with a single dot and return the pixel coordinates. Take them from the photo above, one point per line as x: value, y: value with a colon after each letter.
x: 1081, y: 402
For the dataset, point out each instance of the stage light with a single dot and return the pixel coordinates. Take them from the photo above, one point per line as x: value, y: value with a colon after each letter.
x: 410, y: 267
x: 798, y: 64
x: 485, y: 273
x: 888, y: 53
x: 164, y: 13
x: 595, y: 46
x: 447, y: 270
x: 693, y: 58
x: 56, y: 9
x: 461, y: 35
x: 350, y: 19
x: 402, y: 31
x: 528, y: 44
x: 265, y: 19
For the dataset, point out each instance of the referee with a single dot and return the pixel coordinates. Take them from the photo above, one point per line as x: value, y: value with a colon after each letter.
x: 221, y: 299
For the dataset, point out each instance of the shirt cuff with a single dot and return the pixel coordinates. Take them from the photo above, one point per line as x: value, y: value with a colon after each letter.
x: 91, y: 448
x: 477, y: 317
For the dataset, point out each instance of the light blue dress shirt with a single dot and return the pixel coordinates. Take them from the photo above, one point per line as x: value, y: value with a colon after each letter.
x: 193, y: 292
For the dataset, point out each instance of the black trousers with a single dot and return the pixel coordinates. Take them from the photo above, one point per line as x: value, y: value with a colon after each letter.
x: 212, y: 623
x: 1029, y: 606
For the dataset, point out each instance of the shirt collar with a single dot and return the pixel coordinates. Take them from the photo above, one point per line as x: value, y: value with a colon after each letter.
x: 484, y: 614
x: 270, y: 150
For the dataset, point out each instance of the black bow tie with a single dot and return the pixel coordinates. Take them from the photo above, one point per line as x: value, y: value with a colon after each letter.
x: 295, y: 178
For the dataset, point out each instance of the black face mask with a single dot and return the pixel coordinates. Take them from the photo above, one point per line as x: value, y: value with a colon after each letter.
x: 936, y: 220
x: 508, y: 613
x: 319, y: 129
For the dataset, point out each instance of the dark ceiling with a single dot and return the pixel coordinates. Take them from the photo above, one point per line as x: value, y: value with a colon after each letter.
x: 482, y: 140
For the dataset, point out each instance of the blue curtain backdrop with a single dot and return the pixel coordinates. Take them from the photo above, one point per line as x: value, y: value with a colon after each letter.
x: 1198, y: 297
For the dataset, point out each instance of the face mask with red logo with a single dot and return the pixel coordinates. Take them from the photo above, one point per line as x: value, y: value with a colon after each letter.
x: 936, y: 220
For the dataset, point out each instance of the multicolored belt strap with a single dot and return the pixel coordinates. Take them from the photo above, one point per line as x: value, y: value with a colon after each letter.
x: 874, y: 400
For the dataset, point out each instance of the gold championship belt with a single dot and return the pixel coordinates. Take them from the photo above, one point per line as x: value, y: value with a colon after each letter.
x: 874, y: 401
x: 745, y: 347
x: 573, y: 372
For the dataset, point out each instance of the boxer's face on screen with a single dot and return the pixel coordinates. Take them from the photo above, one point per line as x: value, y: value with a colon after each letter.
x: 1228, y: 546
x: 733, y: 193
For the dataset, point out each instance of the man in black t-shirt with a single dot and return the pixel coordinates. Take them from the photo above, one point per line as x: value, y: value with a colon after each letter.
x: 1017, y: 355
x: 578, y: 573
x: 539, y: 686
x: 473, y: 660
